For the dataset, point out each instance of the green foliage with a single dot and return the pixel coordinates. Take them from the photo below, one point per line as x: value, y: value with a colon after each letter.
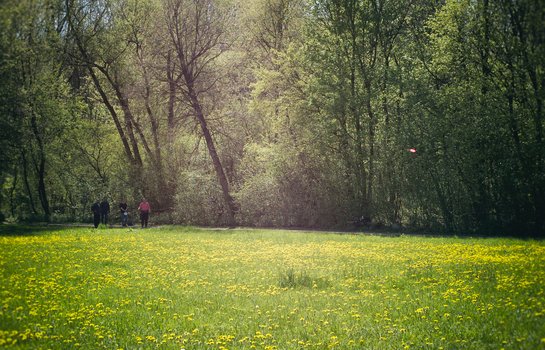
x: 261, y: 198
x: 312, y: 107
x: 199, y: 200
x: 473, y: 131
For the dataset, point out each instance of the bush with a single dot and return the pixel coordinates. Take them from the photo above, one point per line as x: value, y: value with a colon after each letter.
x: 199, y: 200
x: 260, y: 202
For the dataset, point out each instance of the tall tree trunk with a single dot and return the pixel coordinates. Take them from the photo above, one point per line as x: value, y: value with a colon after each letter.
x: 172, y: 82
x: 12, y: 203
x: 27, y: 184
x: 228, y: 199
x: 171, y: 98
x: 40, y: 168
x: 114, y: 116
x: 89, y: 63
x: 361, y: 173
x: 360, y: 156
x: 482, y: 206
x: 528, y: 29
x: 157, y: 157
x: 371, y: 137
x: 195, y: 29
x: 127, y: 114
x: 42, y: 189
x: 443, y: 202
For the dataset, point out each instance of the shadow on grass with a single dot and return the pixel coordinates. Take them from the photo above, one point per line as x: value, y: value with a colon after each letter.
x: 7, y: 230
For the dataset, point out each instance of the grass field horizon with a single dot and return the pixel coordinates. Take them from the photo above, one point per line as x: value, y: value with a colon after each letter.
x: 178, y: 287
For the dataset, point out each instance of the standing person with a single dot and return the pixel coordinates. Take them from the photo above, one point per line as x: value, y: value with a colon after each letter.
x: 104, y: 211
x: 124, y: 213
x: 144, y: 209
x: 95, y: 208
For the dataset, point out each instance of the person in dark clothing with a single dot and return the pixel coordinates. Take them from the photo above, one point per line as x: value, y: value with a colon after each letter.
x: 95, y: 208
x: 124, y: 213
x: 104, y: 211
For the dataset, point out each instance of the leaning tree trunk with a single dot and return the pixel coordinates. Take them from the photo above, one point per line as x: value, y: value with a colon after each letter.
x: 229, y: 201
x: 195, y: 28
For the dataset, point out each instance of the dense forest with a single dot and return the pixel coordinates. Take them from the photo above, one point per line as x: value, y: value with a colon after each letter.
x: 423, y: 114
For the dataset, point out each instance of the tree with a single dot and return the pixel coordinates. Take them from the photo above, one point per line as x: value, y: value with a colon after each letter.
x: 38, y: 97
x: 195, y: 29
x: 114, y: 44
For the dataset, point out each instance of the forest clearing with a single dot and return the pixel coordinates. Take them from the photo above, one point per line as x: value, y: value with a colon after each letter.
x: 188, y: 288
x: 391, y: 115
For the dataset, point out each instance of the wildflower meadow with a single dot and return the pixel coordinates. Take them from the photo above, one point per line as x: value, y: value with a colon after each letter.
x: 189, y: 288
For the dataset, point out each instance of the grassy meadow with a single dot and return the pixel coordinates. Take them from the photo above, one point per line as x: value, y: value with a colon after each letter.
x: 188, y: 288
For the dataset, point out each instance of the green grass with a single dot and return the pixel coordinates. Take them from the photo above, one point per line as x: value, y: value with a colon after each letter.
x: 187, y: 288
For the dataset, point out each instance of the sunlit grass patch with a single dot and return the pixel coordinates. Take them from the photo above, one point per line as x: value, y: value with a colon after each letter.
x: 178, y: 287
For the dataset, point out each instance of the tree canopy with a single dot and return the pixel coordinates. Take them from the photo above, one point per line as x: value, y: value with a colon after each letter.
x: 292, y: 113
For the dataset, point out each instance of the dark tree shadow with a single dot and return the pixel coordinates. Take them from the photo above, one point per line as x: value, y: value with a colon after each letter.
x: 27, y: 230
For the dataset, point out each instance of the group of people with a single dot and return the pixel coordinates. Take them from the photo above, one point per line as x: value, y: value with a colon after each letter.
x: 101, y: 212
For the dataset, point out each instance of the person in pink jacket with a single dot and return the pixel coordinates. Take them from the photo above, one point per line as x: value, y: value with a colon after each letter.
x: 144, y: 209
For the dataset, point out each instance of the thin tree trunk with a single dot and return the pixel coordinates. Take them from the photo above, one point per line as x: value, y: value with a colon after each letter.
x: 42, y: 189
x: 114, y: 116
x: 27, y: 184
x: 129, y: 119
x: 229, y: 201
x: 89, y: 64
x: 481, y: 201
x: 172, y: 82
x: 518, y: 20
x: 372, y: 122
x: 443, y: 203
x: 12, y: 192
x: 360, y: 157
x: 153, y: 120
x: 40, y: 169
x: 171, y: 99
x: 362, y: 175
